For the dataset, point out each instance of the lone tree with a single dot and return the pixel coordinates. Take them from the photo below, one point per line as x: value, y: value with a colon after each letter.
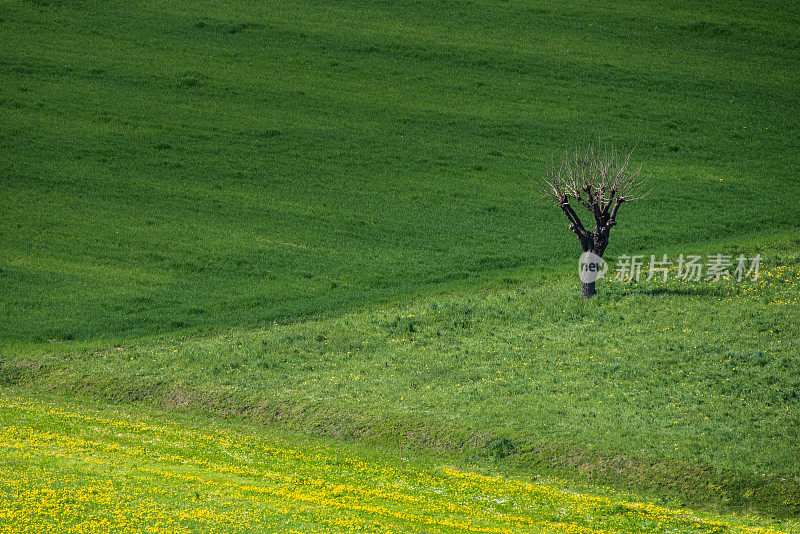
x: 601, y: 181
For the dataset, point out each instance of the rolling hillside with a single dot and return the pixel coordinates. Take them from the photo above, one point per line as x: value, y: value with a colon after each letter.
x: 316, y: 219
x: 170, y: 166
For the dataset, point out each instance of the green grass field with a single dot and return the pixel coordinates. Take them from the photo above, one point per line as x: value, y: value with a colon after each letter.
x: 682, y: 391
x: 74, y: 469
x: 317, y: 219
x: 181, y: 165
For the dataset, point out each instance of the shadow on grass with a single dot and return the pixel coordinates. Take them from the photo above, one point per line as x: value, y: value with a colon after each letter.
x: 687, y: 291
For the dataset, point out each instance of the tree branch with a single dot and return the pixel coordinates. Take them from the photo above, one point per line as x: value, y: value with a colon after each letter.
x: 600, y: 180
x: 576, y: 225
x: 612, y: 218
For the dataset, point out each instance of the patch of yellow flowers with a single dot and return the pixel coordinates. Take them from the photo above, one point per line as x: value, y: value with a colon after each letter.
x: 75, y: 470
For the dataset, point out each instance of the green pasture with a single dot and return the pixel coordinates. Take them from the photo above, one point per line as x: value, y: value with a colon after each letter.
x: 685, y: 391
x: 318, y: 217
x: 184, y: 165
x: 66, y: 468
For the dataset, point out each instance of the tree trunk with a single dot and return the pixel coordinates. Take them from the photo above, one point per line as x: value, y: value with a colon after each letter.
x: 587, y: 290
x: 589, y: 278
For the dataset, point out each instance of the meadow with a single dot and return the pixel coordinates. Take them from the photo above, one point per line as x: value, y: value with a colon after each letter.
x: 193, y: 165
x: 316, y: 219
x: 682, y: 391
x: 86, y: 470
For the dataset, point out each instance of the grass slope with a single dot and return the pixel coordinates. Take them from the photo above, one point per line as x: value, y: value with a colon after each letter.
x: 185, y: 185
x: 686, y: 391
x: 68, y: 467
x: 198, y: 164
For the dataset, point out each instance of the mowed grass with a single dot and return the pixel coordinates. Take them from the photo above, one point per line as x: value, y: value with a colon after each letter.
x: 184, y: 165
x: 75, y: 469
x: 686, y: 391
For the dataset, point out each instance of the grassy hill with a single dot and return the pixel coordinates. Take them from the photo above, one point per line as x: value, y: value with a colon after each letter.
x: 683, y: 391
x: 104, y: 469
x: 196, y: 164
x: 318, y: 217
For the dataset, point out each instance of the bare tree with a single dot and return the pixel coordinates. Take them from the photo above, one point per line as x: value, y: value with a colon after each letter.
x: 599, y: 180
